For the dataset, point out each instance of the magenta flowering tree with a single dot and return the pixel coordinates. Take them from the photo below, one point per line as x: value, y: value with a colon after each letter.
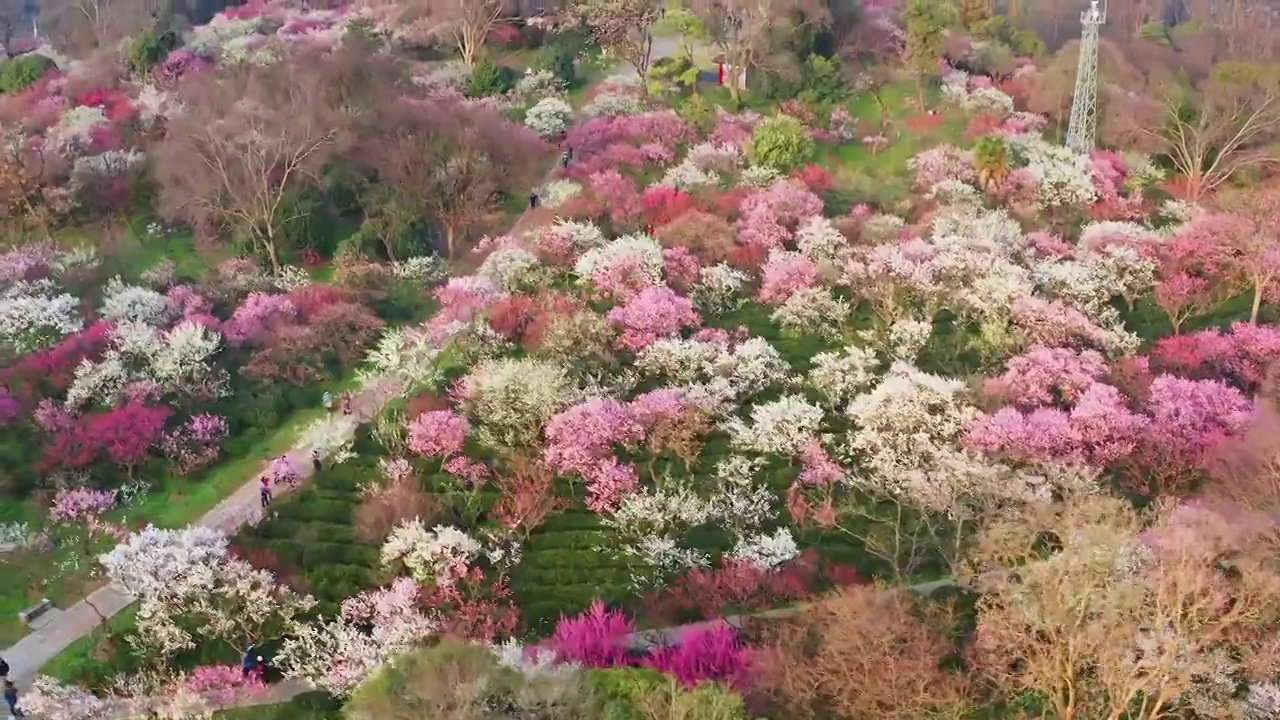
x: 196, y: 443
x: 616, y: 197
x: 704, y: 654
x: 784, y: 273
x: 10, y: 408
x: 438, y: 434
x: 257, y: 316
x: 1045, y: 376
x: 598, y: 638
x: 1189, y: 419
x: 580, y: 437
x: 656, y: 312
x: 127, y: 435
x: 1242, y: 355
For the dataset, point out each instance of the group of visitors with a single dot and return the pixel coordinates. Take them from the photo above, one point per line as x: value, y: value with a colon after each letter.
x: 253, y: 665
x: 10, y: 691
x: 345, y: 402
x: 566, y: 157
x: 265, y: 490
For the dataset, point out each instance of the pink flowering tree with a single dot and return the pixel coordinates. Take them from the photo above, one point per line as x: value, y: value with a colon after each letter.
x: 195, y: 443
x: 581, y: 441
x: 616, y: 196
x: 784, y: 273
x: 1189, y: 420
x: 256, y: 317
x: 1191, y: 270
x: 223, y: 685
x: 81, y: 514
x: 1098, y: 430
x: 770, y: 216
x: 1045, y: 376
x: 438, y: 434
x: 1241, y: 356
x: 656, y: 312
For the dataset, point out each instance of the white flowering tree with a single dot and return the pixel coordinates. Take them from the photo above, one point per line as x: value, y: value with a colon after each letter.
x: 29, y: 322
x: 50, y: 700
x: 336, y: 655
x: 188, y: 579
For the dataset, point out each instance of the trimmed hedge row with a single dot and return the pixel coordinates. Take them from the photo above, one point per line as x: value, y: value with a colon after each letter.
x: 567, y: 563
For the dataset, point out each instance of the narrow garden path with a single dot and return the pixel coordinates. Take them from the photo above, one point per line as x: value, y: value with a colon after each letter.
x: 58, y: 629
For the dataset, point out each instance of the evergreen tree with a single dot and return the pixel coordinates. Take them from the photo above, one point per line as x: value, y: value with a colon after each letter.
x: 925, y: 22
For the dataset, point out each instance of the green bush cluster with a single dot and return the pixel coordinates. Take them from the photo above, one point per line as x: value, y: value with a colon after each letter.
x: 18, y: 74
x: 489, y: 78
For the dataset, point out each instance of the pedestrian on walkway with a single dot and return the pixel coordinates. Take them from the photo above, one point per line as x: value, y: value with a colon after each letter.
x: 4, y: 669
x: 533, y: 200
x: 11, y: 697
x: 246, y: 661
x: 328, y: 401
x: 346, y: 404
x: 315, y: 461
x: 265, y: 492
x: 260, y: 669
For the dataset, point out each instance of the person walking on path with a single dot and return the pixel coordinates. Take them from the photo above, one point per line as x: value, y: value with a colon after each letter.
x: 265, y: 492
x: 346, y: 404
x: 4, y: 669
x: 328, y: 401
x: 315, y: 461
x: 246, y: 662
x: 11, y: 697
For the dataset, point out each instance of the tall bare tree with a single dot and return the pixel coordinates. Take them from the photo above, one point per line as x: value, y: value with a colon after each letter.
x: 242, y: 141
x: 1106, y: 614
x: 452, y: 162
x: 744, y: 30
x: 624, y: 27
x: 80, y: 25
x: 862, y: 653
x: 465, y: 23
x: 1229, y: 124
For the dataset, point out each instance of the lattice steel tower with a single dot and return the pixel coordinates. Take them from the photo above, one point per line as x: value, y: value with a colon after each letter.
x: 1084, y: 104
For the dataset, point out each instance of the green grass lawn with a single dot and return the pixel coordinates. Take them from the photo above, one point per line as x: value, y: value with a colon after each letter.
x: 176, y: 502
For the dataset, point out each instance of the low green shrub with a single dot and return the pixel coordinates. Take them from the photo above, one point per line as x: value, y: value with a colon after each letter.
x: 18, y: 74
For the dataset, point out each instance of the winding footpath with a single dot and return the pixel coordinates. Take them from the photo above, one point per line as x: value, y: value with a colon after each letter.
x: 57, y: 629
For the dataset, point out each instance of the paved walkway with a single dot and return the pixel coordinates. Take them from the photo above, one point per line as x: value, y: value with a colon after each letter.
x: 58, y: 629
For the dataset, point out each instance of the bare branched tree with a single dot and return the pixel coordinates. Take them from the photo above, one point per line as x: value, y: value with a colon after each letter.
x: 242, y: 141
x: 1228, y: 125
x: 465, y: 23
x: 624, y: 27
x: 80, y: 25
x: 744, y: 30
x: 452, y: 162
x: 865, y: 654
x: 1105, y: 616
